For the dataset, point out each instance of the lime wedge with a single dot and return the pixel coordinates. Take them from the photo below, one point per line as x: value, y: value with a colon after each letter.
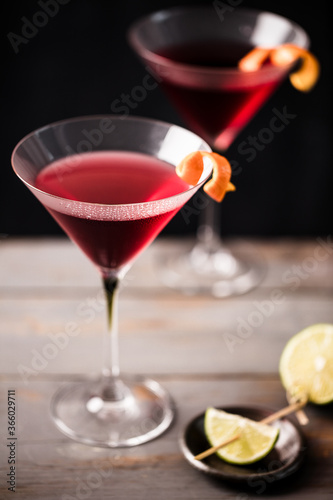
x: 255, y: 442
x: 306, y: 363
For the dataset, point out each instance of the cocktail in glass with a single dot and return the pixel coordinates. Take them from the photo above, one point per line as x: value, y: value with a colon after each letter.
x: 111, y: 185
x: 193, y: 53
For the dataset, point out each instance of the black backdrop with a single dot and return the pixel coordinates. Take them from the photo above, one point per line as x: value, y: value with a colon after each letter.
x: 78, y: 62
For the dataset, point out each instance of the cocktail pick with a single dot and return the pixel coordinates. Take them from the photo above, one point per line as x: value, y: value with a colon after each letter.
x: 291, y: 408
x: 300, y: 415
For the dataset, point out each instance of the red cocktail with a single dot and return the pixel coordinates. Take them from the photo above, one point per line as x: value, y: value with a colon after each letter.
x: 117, y: 178
x: 217, y: 113
x: 111, y: 184
x: 194, y: 53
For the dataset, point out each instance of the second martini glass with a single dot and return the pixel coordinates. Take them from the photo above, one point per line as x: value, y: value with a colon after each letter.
x: 111, y: 184
x: 193, y: 53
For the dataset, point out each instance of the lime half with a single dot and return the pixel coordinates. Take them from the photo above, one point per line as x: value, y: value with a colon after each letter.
x: 255, y: 442
x: 306, y: 363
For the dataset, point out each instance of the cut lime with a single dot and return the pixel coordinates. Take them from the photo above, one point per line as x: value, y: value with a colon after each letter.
x: 306, y: 364
x: 255, y: 442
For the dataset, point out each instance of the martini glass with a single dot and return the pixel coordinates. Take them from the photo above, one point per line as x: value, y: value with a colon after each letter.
x: 111, y: 184
x: 193, y: 53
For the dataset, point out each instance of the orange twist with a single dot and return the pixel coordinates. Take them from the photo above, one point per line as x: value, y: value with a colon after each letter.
x: 254, y: 59
x: 306, y: 76
x: 191, y: 167
x: 303, y: 78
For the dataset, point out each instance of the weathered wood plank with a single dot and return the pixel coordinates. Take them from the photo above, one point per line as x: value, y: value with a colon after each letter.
x: 168, y: 335
x: 205, y: 351
x: 52, y: 466
x: 57, y: 263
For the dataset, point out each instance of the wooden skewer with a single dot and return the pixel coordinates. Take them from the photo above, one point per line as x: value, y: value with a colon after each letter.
x: 294, y: 407
x: 302, y: 418
x: 212, y: 450
x: 300, y: 415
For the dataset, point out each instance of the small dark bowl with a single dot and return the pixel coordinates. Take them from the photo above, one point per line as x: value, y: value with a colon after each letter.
x: 286, y: 457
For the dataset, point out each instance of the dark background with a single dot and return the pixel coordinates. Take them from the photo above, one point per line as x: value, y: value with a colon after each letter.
x: 80, y: 62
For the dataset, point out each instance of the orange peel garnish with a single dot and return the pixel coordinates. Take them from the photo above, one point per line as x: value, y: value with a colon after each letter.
x: 191, y: 167
x: 303, y: 78
x: 306, y: 76
x: 254, y: 59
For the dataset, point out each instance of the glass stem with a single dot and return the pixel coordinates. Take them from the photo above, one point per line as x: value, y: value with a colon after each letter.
x: 209, y: 225
x: 111, y: 348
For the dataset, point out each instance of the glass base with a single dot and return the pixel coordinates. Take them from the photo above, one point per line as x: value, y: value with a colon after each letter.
x: 127, y: 413
x: 213, y: 270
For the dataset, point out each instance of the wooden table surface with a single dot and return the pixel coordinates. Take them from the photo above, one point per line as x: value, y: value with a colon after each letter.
x: 193, y: 345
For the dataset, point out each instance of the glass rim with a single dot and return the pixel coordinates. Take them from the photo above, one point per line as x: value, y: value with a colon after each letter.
x: 86, y: 118
x: 167, y: 62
